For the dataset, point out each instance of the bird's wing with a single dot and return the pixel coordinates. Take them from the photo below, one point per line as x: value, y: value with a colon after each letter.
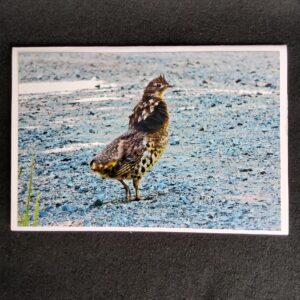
x: 131, y: 150
x: 121, y: 155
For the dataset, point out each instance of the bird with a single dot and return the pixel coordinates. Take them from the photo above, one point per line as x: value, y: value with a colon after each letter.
x: 131, y: 155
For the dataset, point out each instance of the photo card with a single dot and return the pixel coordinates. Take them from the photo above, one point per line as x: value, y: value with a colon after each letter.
x: 163, y: 139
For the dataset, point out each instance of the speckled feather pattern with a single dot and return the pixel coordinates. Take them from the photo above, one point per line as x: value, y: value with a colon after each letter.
x: 135, y: 152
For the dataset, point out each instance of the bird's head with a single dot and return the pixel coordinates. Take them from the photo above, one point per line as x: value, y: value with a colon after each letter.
x: 157, y: 86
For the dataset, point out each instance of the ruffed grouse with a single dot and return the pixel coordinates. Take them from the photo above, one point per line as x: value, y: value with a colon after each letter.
x: 135, y: 152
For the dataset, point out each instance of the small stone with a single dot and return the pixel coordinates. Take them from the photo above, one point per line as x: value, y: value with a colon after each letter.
x: 92, y: 131
x: 98, y: 203
x: 175, y: 141
x: 64, y: 167
x: 183, y: 199
x: 43, y: 214
x: 70, y: 184
x: 246, y: 170
x: 83, y: 189
x: 161, y: 185
x: 66, y: 159
x: 67, y: 208
x: 207, y: 188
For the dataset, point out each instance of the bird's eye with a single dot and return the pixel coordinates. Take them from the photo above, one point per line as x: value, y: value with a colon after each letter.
x: 158, y: 85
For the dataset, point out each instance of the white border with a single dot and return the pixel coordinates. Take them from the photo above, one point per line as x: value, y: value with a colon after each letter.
x: 283, y: 135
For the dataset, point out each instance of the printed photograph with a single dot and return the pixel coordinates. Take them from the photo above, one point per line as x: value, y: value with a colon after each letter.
x: 185, y: 139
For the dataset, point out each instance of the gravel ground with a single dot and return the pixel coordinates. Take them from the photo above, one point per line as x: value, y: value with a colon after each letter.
x: 220, y: 170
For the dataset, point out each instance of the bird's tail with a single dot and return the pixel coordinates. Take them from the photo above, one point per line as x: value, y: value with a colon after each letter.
x: 96, y: 166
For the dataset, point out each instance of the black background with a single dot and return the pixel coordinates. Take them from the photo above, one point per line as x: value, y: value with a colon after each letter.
x: 149, y: 265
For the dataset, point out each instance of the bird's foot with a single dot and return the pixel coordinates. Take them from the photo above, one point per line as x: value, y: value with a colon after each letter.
x: 127, y: 199
x: 137, y: 199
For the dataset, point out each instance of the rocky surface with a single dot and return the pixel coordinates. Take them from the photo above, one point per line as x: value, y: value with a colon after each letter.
x: 220, y: 170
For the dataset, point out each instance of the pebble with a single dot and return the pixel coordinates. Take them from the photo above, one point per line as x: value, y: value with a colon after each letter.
x: 161, y: 185
x: 175, y: 141
x: 43, y: 214
x: 83, y: 189
x: 246, y: 170
x: 70, y: 184
x: 67, y: 207
x: 63, y: 167
x: 184, y: 199
x: 97, y: 203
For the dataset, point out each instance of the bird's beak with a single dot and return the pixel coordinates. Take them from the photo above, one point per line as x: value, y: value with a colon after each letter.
x: 170, y: 86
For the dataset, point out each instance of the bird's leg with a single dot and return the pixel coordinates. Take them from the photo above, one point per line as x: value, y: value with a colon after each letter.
x: 126, y: 187
x: 136, y: 183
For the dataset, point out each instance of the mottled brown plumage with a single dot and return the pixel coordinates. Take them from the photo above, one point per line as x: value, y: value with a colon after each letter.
x: 135, y: 152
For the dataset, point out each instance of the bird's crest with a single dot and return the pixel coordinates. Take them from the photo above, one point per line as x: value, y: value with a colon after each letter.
x: 160, y: 79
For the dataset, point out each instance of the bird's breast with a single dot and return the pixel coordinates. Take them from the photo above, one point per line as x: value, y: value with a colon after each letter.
x: 155, y: 145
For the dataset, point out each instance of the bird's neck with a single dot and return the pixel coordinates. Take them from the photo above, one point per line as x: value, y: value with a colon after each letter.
x: 152, y: 96
x: 150, y: 114
x: 156, y: 94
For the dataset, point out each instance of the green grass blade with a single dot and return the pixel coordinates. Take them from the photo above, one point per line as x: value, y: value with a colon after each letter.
x: 26, y: 219
x: 21, y: 220
x: 20, y: 172
x: 36, y: 209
